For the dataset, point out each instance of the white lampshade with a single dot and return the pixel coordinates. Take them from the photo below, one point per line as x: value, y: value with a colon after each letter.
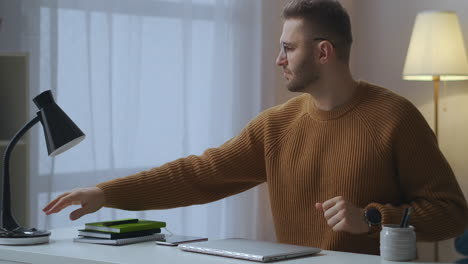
x: 436, y: 48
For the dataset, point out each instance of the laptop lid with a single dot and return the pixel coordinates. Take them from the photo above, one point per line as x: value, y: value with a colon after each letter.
x: 249, y: 249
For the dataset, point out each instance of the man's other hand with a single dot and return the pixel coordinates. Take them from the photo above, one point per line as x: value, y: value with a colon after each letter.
x: 342, y: 215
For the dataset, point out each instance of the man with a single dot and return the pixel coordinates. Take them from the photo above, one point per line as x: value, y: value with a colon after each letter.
x: 340, y: 160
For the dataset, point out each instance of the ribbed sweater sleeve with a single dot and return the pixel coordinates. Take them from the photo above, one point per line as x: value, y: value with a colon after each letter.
x: 427, y: 181
x: 234, y: 167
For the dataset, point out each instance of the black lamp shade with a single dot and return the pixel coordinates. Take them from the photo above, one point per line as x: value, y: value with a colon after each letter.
x: 60, y: 132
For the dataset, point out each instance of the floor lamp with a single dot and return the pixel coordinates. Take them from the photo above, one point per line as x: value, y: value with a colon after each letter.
x: 436, y: 53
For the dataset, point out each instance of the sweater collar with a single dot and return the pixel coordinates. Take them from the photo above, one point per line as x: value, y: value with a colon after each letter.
x: 340, y: 110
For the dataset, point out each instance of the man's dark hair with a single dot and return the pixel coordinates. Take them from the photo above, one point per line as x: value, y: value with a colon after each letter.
x: 328, y: 19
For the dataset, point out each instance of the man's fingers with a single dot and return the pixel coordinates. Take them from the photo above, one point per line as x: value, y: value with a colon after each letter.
x: 53, y: 202
x: 57, y: 208
x: 54, y: 207
x: 63, y: 202
x: 318, y: 206
x: 343, y: 216
x: 341, y: 226
x: 79, y: 213
x: 330, y: 203
x: 67, y: 204
x: 332, y: 211
x: 335, y: 219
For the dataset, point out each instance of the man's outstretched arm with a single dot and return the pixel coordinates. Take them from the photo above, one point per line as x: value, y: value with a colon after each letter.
x: 234, y: 167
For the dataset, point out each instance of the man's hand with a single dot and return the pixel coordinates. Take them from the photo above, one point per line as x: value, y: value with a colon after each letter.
x: 91, y: 199
x: 342, y: 215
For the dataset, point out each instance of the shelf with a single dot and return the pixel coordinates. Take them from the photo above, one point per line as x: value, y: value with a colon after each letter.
x: 14, y: 112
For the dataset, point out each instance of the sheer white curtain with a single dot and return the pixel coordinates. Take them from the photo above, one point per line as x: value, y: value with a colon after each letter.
x: 148, y: 81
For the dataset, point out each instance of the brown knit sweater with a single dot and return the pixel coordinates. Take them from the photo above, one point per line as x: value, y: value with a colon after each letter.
x: 376, y: 151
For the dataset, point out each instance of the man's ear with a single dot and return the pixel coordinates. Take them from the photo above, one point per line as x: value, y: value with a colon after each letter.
x: 326, y: 52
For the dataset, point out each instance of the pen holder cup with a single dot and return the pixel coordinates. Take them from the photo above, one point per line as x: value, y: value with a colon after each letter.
x: 397, y: 243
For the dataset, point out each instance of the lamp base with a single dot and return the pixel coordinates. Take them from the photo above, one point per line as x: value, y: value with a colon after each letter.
x: 23, y: 236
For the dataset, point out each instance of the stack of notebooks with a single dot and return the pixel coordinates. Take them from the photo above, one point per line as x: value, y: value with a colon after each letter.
x: 121, y: 232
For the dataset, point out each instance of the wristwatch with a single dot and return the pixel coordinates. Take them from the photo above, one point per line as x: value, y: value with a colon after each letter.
x: 374, y: 219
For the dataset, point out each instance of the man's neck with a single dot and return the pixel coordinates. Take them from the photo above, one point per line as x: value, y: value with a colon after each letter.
x: 331, y: 93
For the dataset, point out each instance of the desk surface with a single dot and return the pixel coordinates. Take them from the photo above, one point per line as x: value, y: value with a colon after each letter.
x: 62, y: 249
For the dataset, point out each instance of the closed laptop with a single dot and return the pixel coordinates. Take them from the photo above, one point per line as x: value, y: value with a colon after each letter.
x: 261, y: 251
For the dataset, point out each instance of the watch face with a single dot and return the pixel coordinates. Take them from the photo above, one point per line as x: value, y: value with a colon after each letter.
x: 373, y: 216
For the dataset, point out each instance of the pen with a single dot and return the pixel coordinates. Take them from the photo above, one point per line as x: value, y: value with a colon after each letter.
x: 406, y: 217
x: 402, y: 223
x: 410, y: 211
x: 121, y: 222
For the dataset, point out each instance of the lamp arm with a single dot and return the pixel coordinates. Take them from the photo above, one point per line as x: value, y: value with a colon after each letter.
x: 7, y: 220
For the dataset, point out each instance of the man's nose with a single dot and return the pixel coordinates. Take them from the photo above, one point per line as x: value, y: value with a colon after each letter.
x: 281, y: 60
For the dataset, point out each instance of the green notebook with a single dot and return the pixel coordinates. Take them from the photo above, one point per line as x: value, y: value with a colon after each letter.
x: 124, y: 225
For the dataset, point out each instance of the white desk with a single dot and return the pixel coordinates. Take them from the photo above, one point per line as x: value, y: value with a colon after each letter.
x: 62, y: 249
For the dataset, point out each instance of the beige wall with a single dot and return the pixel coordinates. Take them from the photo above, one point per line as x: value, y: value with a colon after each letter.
x: 382, y: 29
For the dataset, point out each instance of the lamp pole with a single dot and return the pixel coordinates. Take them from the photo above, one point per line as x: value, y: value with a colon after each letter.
x: 436, y: 80
x: 7, y: 220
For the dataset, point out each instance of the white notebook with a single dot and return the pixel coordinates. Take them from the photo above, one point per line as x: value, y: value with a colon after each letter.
x: 121, y: 241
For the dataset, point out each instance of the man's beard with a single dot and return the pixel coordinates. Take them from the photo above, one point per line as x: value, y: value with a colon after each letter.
x: 304, y: 75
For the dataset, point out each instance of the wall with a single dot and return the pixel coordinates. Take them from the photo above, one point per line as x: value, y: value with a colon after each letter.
x: 10, y: 14
x: 382, y: 31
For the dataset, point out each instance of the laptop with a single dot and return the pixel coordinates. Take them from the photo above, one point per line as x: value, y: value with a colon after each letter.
x: 261, y: 251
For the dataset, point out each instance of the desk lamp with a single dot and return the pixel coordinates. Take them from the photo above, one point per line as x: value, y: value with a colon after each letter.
x: 60, y: 134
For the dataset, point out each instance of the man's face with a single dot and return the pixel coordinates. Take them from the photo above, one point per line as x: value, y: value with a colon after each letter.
x: 297, y: 57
